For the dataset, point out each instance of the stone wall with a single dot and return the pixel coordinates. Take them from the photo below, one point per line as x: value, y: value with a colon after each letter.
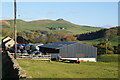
x: 10, y: 68
x: 0, y: 65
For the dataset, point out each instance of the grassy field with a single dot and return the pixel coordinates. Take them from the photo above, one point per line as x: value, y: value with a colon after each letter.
x: 43, y: 24
x: 109, y: 58
x: 39, y: 69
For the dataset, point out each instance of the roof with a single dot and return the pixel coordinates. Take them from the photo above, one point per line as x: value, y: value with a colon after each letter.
x: 57, y: 45
x: 6, y: 39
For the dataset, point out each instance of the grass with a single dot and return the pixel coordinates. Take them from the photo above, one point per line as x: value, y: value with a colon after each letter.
x: 39, y: 69
x: 109, y: 58
x: 38, y: 25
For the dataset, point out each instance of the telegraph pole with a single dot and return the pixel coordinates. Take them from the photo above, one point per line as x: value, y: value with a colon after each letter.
x: 15, y: 30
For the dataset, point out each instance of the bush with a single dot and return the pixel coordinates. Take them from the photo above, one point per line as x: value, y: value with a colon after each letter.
x: 101, y: 48
x: 110, y: 52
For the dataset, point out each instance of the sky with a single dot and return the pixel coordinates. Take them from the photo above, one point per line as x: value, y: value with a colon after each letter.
x: 97, y: 14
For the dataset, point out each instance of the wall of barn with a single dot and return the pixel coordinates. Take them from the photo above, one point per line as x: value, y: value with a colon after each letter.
x: 10, y: 68
x: 78, y: 50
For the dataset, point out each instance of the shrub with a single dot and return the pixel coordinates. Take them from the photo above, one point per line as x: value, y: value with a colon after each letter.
x: 110, y: 52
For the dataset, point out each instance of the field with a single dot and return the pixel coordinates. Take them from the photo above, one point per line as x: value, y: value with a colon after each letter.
x: 39, y: 69
x: 43, y: 24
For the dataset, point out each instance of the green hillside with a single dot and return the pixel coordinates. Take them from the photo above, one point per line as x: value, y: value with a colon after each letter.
x: 86, y: 34
x: 114, y: 41
x: 111, y: 34
x: 44, y: 24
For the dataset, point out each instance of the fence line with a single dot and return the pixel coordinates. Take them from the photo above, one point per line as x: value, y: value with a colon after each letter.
x: 34, y: 57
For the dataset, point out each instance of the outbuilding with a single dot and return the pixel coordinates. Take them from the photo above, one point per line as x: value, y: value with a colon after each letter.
x: 7, y: 42
x: 70, y: 51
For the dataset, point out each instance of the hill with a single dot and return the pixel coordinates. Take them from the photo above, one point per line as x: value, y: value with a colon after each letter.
x: 111, y: 34
x: 85, y: 34
x: 4, y: 22
x: 44, y: 25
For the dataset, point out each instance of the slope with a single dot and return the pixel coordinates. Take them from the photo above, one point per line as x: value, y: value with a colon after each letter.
x: 43, y: 25
x: 111, y: 34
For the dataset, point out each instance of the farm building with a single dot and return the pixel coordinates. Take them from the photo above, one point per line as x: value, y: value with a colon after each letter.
x: 70, y: 50
x: 7, y: 42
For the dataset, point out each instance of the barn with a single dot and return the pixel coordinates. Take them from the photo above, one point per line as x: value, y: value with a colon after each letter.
x: 70, y: 50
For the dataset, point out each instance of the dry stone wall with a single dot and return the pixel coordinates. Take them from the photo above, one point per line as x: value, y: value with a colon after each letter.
x: 0, y: 65
x: 10, y: 68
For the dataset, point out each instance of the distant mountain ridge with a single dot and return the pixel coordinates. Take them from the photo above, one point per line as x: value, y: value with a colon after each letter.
x: 43, y: 25
x: 83, y: 33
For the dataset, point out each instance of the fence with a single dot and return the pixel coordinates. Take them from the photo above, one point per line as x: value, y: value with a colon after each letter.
x: 34, y: 57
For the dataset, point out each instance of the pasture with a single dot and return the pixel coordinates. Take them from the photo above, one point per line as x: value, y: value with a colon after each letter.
x: 40, y: 69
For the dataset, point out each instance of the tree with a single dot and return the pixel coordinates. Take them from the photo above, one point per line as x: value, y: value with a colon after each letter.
x: 101, y: 48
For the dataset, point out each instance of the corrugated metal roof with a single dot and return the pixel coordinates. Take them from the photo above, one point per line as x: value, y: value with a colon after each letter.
x: 57, y: 45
